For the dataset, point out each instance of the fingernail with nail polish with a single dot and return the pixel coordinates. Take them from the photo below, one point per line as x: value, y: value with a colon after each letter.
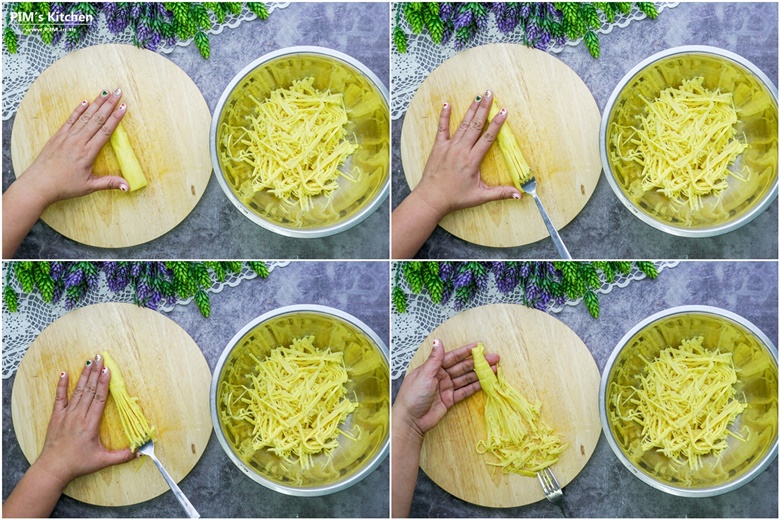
x: 437, y: 343
x: 84, y: 103
x: 516, y: 196
x: 98, y: 357
x: 122, y: 106
x: 89, y: 362
x: 123, y: 187
x: 502, y: 111
x: 118, y: 91
x: 104, y: 371
x: 104, y: 93
x: 62, y: 374
x: 488, y: 93
x: 445, y: 105
x: 478, y: 99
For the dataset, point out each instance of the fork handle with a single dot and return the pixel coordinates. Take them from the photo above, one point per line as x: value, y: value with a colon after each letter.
x: 556, y: 238
x: 177, y: 492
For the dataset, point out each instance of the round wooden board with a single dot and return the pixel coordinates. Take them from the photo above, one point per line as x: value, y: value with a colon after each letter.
x: 553, y: 116
x: 543, y: 359
x: 167, y: 122
x: 163, y: 368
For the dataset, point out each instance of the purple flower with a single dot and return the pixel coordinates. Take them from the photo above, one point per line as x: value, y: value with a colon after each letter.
x: 135, y: 269
x: 446, y: 293
x: 57, y: 294
x: 525, y: 10
x: 531, y: 30
x: 560, y: 40
x: 482, y: 282
x: 142, y: 289
x: 446, y: 34
x: 74, y: 278
x: 56, y: 269
x: 463, y: 19
x: 482, y: 22
x: 92, y: 281
x: 446, y: 270
x: 446, y: 10
x: 135, y: 10
x: 531, y: 290
x: 463, y: 278
x: 525, y: 269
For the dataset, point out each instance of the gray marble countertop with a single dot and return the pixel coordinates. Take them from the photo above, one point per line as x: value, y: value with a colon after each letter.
x: 215, y: 228
x: 605, y: 488
x: 215, y: 486
x: 605, y: 228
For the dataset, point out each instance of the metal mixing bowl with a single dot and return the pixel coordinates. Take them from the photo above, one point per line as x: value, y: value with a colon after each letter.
x: 754, y: 357
x: 756, y: 100
x: 367, y: 100
x: 366, y: 357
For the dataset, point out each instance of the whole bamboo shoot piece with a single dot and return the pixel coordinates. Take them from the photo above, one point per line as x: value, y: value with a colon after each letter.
x: 513, y: 156
x: 134, y: 423
x: 516, y: 435
x: 128, y: 163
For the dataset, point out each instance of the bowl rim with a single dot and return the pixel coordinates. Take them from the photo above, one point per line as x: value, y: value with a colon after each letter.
x: 744, y: 219
x: 332, y: 229
x: 605, y: 426
x: 314, y: 491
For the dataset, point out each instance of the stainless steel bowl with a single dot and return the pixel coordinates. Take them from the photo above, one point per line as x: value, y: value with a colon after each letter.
x: 362, y: 348
x: 369, y: 123
x: 742, y: 201
x: 741, y: 462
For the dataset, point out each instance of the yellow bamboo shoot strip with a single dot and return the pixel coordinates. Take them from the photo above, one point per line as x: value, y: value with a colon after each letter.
x: 684, y: 143
x: 684, y: 402
x: 513, y: 156
x: 135, y: 425
x: 128, y: 162
x: 516, y: 434
x: 294, y: 143
x: 296, y: 402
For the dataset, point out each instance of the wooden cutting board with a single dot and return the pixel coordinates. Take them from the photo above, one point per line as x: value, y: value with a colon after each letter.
x: 167, y: 122
x: 163, y: 368
x: 554, y: 118
x: 543, y: 359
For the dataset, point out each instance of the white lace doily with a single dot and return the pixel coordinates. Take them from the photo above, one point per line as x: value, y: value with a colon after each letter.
x: 33, y: 56
x: 422, y: 55
x: 20, y: 328
x: 422, y: 315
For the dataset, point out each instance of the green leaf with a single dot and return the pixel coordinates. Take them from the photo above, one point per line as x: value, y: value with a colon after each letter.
x: 201, y: 16
x: 204, y: 305
x: 258, y: 267
x: 202, y: 43
x: 10, y: 40
x: 416, y: 22
x: 200, y: 273
x: 399, y: 39
x: 10, y: 298
x: 649, y: 269
x: 435, y: 27
x: 590, y: 15
x: 399, y: 299
x: 259, y: 9
x: 649, y: 9
x: 592, y: 43
x: 592, y: 303
x: 23, y: 271
x: 623, y: 7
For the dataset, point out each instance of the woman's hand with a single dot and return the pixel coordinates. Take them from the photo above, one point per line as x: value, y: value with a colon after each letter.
x: 63, y: 169
x: 431, y: 389
x: 426, y: 394
x: 72, y: 447
x: 451, y: 179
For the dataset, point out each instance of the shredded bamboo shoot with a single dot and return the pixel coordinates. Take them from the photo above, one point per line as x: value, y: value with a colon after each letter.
x: 513, y: 155
x: 516, y: 434
x: 684, y: 402
x: 684, y: 143
x: 134, y: 423
x: 296, y: 402
x: 294, y: 143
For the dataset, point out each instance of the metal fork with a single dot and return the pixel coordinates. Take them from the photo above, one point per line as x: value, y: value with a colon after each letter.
x: 529, y: 187
x: 148, y: 450
x: 552, y: 490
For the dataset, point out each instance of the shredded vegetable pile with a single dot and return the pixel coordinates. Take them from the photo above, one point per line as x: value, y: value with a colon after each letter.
x: 134, y: 423
x: 516, y: 434
x: 684, y: 143
x: 294, y: 143
x: 684, y: 402
x: 296, y: 402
